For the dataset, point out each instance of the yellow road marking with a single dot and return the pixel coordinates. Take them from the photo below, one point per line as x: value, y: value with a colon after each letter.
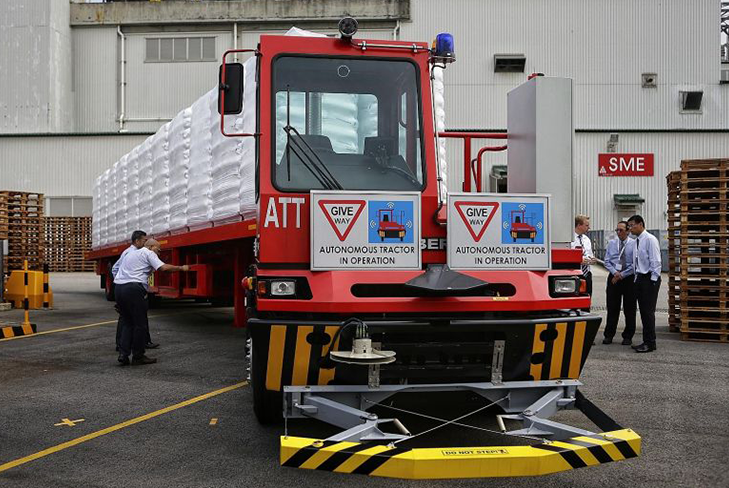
x: 75, y: 327
x: 114, y: 428
x: 213, y: 421
x: 70, y: 423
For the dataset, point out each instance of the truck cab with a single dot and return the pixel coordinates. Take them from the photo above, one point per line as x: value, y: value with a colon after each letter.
x: 346, y: 121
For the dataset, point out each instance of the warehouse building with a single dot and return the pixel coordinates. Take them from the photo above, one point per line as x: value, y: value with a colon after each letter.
x: 651, y: 81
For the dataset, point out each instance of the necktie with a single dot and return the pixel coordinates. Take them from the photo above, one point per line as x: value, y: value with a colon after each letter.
x: 636, y: 260
x: 622, y: 256
x: 585, y: 268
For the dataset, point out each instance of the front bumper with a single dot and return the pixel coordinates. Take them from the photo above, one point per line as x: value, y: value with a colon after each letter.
x: 459, y: 462
x: 292, y: 353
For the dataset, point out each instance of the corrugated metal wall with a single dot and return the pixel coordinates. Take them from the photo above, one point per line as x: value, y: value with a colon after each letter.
x: 59, y: 165
x: 594, y: 194
x: 603, y: 46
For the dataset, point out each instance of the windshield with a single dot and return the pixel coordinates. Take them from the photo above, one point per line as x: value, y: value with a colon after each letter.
x: 346, y: 123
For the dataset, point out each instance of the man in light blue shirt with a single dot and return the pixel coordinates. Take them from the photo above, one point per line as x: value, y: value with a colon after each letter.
x: 139, y: 237
x: 619, y: 257
x: 131, y: 289
x: 647, y: 267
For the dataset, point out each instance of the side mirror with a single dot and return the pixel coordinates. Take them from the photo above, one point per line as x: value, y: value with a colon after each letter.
x: 230, y: 89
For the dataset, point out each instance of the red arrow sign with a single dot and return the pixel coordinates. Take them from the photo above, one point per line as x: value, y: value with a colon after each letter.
x: 342, y: 214
x: 476, y: 216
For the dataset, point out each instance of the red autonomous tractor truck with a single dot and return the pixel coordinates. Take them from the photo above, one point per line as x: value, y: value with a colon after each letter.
x: 341, y: 318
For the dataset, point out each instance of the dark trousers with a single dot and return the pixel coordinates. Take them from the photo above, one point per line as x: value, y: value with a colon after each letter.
x: 588, y: 279
x: 119, y: 326
x: 647, y: 292
x: 621, y: 292
x: 133, y: 317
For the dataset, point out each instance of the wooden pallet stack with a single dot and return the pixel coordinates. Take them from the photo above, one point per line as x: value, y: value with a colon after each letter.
x: 701, y: 250
x: 3, y: 217
x: 25, y: 229
x: 673, y: 181
x: 67, y: 241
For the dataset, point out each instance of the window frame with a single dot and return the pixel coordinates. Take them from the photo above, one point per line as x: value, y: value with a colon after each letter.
x: 173, y: 38
x: 418, y: 86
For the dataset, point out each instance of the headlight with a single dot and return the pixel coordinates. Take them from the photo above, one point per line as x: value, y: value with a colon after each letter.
x: 283, y: 288
x: 565, y: 286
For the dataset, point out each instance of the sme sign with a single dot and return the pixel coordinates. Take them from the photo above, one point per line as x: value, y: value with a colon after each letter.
x: 615, y: 164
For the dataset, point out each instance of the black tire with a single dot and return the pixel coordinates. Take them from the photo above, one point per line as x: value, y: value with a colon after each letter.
x: 267, y: 405
x: 109, y: 288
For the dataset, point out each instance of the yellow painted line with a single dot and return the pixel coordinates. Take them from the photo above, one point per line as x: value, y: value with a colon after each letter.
x: 555, y: 364
x: 114, y: 428
x: 276, y: 345
x: 213, y: 421
x: 301, y: 356
x: 85, y: 326
x: 538, y: 346
x: 70, y: 423
x: 578, y: 341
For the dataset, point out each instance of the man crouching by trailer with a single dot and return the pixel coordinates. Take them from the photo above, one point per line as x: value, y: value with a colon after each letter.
x: 131, y: 288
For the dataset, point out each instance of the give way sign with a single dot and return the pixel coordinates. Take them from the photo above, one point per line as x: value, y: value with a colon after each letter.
x: 476, y: 216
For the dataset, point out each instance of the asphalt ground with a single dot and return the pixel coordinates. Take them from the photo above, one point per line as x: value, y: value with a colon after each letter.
x: 187, y: 420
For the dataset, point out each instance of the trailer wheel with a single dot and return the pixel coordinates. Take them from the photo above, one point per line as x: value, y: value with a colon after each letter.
x: 109, y: 287
x: 267, y: 405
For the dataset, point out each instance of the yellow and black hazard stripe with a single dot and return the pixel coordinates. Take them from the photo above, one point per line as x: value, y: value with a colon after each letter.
x: 295, y: 353
x: 17, y: 330
x: 460, y: 462
x: 559, y: 350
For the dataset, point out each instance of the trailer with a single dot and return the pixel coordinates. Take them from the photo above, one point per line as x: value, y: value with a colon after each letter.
x: 340, y: 319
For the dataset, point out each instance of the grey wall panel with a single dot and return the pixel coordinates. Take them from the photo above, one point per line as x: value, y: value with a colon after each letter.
x: 95, y: 78
x: 594, y: 194
x: 60, y: 165
x: 604, y: 46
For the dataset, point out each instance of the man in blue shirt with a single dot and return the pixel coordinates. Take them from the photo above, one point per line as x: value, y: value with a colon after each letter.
x: 620, y: 284
x: 647, y: 268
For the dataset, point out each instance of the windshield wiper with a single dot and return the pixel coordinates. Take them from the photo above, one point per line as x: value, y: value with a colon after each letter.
x: 314, y: 164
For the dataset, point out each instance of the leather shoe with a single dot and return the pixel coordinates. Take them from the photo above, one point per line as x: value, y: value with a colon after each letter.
x: 151, y: 345
x: 645, y: 348
x: 626, y: 342
x: 124, y: 360
x: 639, y: 345
x: 141, y: 360
x: 607, y: 340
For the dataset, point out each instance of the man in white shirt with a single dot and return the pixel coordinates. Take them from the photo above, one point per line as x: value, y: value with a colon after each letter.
x: 131, y: 288
x: 647, y: 266
x: 620, y: 285
x: 139, y: 237
x: 582, y: 225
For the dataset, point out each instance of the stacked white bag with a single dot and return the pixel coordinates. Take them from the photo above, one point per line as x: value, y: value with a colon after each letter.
x: 199, y: 202
x: 439, y: 116
x: 188, y: 175
x: 133, y: 192
x: 226, y: 165
x: 145, y: 185
x: 179, y: 166
x: 161, y: 181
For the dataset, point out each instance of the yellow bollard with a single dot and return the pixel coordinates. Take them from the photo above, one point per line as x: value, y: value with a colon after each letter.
x: 26, y: 303
x: 45, y: 286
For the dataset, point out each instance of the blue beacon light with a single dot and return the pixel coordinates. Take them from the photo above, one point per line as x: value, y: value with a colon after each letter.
x: 444, y: 47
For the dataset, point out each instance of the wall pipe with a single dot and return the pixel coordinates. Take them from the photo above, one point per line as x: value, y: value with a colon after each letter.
x: 123, y: 77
